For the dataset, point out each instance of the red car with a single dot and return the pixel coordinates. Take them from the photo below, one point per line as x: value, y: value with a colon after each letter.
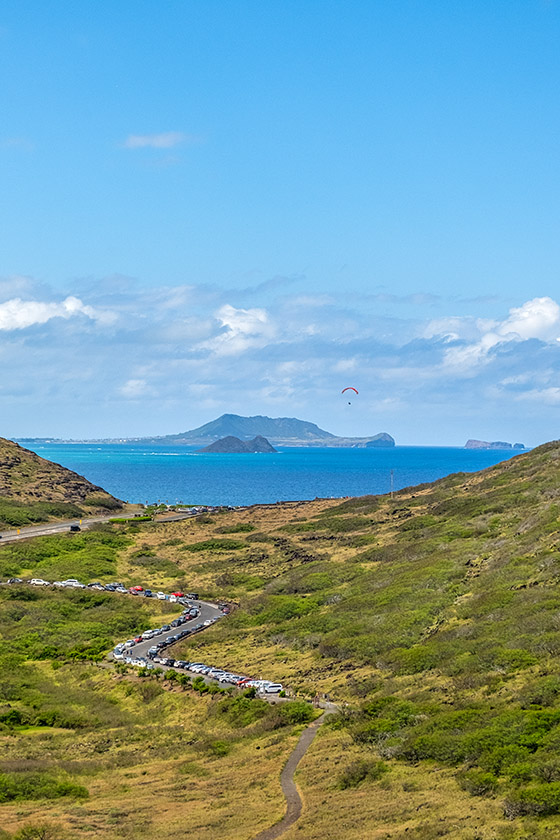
x: 178, y: 594
x: 136, y: 589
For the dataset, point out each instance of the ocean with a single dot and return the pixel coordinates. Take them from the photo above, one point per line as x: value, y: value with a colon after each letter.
x: 179, y: 474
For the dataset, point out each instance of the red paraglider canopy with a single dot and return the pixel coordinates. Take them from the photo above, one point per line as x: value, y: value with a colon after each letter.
x: 349, y: 388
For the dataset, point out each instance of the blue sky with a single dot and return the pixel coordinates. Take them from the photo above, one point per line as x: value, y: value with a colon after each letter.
x: 246, y: 206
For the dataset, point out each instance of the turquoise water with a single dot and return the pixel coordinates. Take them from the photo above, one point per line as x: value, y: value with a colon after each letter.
x: 180, y: 474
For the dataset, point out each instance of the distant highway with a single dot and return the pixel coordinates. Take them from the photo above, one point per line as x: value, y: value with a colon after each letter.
x: 49, y: 528
x: 60, y: 527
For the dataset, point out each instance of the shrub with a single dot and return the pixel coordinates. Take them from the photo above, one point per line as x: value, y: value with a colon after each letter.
x: 535, y: 800
x: 16, y: 786
x: 360, y: 770
x: 215, y: 545
x: 219, y: 748
x: 296, y: 711
x: 477, y: 782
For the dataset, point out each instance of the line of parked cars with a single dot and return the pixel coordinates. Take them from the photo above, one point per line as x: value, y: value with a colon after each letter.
x: 124, y: 652
x: 73, y: 583
x: 154, y: 656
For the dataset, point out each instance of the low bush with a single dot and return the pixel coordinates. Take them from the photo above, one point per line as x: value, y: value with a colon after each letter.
x: 215, y: 545
x: 296, y: 711
x: 20, y: 786
x: 477, y: 782
x: 537, y: 800
x: 240, y: 528
x: 359, y: 770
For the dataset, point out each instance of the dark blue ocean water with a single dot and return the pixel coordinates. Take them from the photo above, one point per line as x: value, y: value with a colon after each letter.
x: 179, y: 474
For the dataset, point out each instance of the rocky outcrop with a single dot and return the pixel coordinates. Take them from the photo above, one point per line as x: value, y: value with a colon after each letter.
x: 231, y: 444
x: 494, y: 444
x: 382, y: 440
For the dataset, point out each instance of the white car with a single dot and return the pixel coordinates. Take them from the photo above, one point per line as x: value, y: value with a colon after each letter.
x: 39, y: 582
x: 161, y: 595
x: 72, y: 582
x: 272, y: 688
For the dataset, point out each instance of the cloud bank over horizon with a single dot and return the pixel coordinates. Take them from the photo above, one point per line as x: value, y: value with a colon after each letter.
x: 114, y: 358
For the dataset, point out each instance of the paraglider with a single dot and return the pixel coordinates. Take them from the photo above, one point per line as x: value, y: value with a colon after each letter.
x: 349, y: 388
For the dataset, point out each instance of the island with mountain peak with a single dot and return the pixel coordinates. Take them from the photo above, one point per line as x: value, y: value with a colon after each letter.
x: 279, y: 431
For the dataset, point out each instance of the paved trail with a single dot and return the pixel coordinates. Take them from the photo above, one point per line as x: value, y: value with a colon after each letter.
x: 289, y: 788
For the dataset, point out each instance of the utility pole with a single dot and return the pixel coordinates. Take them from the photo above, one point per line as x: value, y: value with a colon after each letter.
x: 392, y: 482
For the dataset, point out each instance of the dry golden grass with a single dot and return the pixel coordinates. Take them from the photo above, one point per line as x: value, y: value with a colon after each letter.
x: 158, y: 778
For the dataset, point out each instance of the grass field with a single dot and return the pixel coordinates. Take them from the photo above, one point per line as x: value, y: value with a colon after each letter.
x: 431, y: 618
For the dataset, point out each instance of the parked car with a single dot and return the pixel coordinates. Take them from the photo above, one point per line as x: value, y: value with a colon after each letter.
x: 15, y: 580
x: 161, y: 595
x: 39, y: 582
x: 273, y: 688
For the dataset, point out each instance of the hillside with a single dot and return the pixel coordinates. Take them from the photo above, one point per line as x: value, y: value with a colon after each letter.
x: 431, y: 618
x: 434, y: 615
x: 33, y: 489
x: 280, y: 431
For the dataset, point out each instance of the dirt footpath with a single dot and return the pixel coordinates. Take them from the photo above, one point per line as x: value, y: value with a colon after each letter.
x: 289, y: 788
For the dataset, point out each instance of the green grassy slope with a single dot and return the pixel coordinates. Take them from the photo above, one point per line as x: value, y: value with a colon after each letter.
x: 433, y: 618
x: 436, y: 614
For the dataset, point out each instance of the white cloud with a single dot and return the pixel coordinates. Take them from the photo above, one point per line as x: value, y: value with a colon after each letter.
x: 538, y: 318
x: 165, y: 140
x: 134, y: 388
x: 17, y: 314
x: 546, y: 396
x: 243, y: 329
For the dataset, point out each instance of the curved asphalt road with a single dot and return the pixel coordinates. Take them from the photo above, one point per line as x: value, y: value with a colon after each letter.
x: 207, y: 611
